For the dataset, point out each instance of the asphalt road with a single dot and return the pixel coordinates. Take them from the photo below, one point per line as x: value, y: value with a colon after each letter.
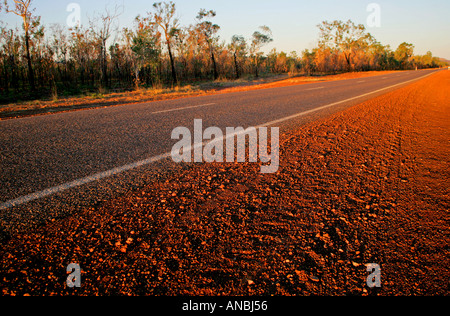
x: 53, y: 165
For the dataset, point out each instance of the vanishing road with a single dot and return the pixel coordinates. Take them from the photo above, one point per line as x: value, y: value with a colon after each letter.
x: 53, y: 165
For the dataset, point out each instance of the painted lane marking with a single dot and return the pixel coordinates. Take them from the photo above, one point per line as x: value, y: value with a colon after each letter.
x: 115, y: 171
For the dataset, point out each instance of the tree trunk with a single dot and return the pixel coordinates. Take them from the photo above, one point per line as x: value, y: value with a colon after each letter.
x: 236, y: 66
x: 30, y: 67
x: 104, y: 65
x: 5, y: 77
x: 14, y: 81
x: 136, y: 78
x: 82, y: 74
x: 348, y: 59
x: 216, y: 74
x: 256, y: 67
x: 119, y: 73
x: 172, y: 63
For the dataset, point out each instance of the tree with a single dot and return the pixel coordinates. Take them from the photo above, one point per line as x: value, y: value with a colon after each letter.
x: 82, y: 50
x: 404, y: 53
x: 102, y: 28
x: 208, y: 30
x: 164, y: 17
x: 378, y: 56
x: 22, y: 8
x: 195, y: 50
x: 308, y: 61
x: 238, y: 47
x: 158, y: 50
x: 144, y: 46
x: 343, y: 38
x: 259, y: 39
x: 60, y: 48
x: 11, y: 51
x: 326, y: 60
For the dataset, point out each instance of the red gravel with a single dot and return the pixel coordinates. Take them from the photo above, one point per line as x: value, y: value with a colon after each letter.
x: 367, y: 185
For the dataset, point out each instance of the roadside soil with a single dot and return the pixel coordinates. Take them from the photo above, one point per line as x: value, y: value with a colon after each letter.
x: 366, y: 185
x: 42, y: 107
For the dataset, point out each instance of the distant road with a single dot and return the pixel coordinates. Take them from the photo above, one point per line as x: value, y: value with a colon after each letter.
x: 53, y: 164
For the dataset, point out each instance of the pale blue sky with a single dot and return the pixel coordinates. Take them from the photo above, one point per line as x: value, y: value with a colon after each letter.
x: 293, y: 22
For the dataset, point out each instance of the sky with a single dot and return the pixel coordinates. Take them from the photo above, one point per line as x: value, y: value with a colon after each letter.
x: 426, y: 24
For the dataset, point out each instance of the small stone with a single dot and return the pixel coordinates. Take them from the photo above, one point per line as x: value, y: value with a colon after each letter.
x: 302, y: 276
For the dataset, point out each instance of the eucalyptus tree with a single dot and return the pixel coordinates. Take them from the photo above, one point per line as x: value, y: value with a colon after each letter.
x: 404, y: 54
x: 83, y: 53
x: 164, y: 17
x: 343, y: 38
x: 10, y: 51
x: 208, y: 33
x: 259, y: 40
x: 23, y: 9
x: 238, y: 47
x: 144, y: 43
x: 102, y: 27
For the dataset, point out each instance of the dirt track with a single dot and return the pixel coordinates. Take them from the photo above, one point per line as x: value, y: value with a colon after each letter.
x: 368, y: 185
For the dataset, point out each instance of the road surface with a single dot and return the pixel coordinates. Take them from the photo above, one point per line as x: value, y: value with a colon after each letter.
x: 53, y: 165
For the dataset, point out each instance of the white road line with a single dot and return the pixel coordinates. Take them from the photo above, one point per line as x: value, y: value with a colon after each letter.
x: 80, y: 182
x: 361, y: 81
x: 339, y: 102
x: 318, y: 88
x: 181, y: 109
x: 106, y: 174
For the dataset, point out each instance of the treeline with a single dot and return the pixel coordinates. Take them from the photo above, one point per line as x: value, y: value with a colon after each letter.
x: 345, y: 46
x: 157, y: 51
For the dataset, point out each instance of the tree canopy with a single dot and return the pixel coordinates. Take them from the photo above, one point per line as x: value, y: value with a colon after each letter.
x: 38, y: 61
